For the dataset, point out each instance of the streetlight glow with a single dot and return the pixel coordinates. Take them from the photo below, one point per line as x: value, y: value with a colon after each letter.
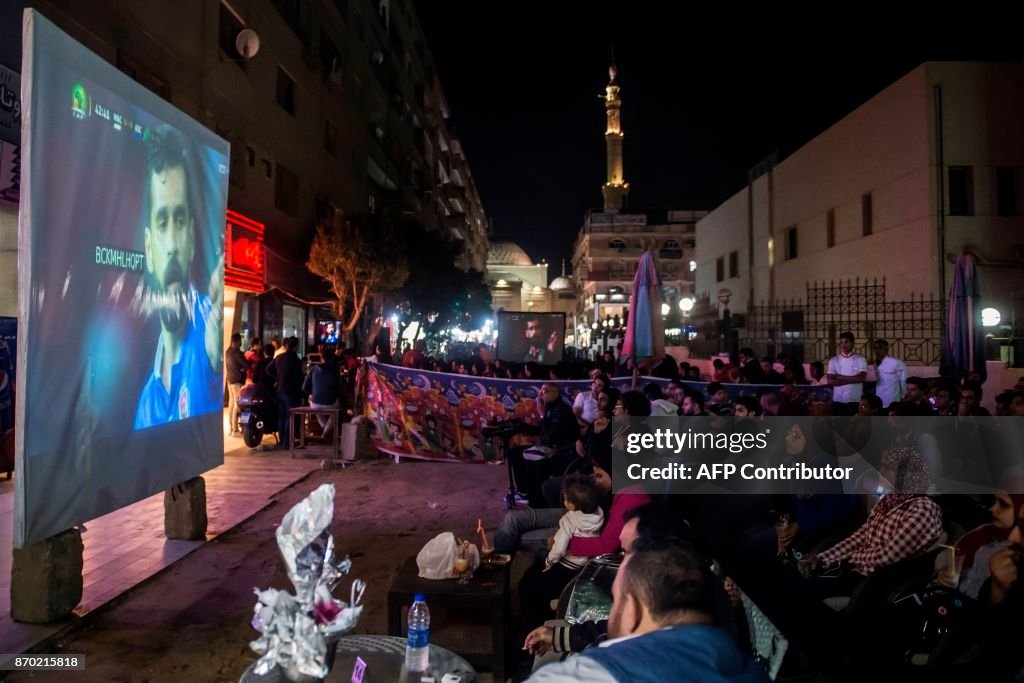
x: 686, y: 304
x: 990, y: 317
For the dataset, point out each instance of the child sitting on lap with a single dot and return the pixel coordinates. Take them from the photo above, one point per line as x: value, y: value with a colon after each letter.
x: 584, y: 519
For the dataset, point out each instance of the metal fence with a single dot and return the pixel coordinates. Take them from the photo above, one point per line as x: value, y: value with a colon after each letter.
x: 808, y: 329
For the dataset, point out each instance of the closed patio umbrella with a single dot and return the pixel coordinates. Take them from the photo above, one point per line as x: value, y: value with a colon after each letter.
x: 644, y: 345
x: 963, y: 343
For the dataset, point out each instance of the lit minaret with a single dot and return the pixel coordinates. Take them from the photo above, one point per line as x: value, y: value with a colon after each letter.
x: 616, y: 189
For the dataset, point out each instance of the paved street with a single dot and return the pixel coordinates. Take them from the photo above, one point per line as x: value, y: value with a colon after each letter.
x: 127, y: 547
x: 191, y: 620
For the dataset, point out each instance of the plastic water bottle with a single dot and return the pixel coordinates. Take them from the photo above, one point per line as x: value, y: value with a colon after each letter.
x: 416, y: 648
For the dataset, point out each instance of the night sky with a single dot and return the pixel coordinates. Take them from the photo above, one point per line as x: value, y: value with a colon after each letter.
x: 704, y: 98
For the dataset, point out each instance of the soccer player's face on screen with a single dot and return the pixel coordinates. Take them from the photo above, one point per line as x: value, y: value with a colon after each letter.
x: 169, y: 234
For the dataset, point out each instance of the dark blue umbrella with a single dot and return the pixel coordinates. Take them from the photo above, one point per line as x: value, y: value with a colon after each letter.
x: 963, y: 344
x: 644, y: 344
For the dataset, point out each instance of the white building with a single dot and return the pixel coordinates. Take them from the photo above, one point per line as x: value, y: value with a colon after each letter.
x: 926, y: 169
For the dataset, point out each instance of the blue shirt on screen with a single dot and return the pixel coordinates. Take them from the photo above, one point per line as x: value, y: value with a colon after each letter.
x: 195, y: 389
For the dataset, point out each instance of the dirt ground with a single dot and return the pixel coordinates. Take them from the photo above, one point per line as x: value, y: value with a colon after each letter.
x: 191, y: 622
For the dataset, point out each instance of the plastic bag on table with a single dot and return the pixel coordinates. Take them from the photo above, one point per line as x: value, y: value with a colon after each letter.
x: 437, y: 558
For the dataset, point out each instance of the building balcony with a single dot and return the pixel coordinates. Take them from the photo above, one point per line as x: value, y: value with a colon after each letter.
x: 456, y: 226
x: 609, y: 276
x: 634, y: 229
x: 454, y: 193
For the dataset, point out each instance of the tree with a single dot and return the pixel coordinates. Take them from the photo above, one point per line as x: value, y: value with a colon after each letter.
x: 438, y: 294
x: 357, y: 258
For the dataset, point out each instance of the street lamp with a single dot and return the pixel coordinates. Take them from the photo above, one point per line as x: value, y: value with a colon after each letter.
x: 990, y: 317
x: 665, y: 308
x: 686, y: 304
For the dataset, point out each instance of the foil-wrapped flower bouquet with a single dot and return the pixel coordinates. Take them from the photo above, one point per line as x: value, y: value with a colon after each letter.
x: 298, y: 633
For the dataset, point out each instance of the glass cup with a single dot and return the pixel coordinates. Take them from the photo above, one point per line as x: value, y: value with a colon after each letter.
x: 462, y: 564
x: 486, y: 548
x: 486, y: 553
x: 956, y: 565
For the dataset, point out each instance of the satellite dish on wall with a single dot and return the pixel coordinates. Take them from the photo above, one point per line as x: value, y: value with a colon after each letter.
x: 247, y: 43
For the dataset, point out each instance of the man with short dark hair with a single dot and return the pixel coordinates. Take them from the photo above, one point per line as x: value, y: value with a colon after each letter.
x: 1003, y: 402
x: 970, y: 401
x: 185, y: 378
x: 917, y: 392
x: 947, y: 399
x: 891, y: 374
x: 720, y: 403
x: 660, y: 626
x: 558, y: 431
x: 847, y: 371
x: 750, y: 368
x: 584, y: 406
x: 540, y: 346
x: 1017, y: 404
x: 286, y: 370
x: 235, y: 368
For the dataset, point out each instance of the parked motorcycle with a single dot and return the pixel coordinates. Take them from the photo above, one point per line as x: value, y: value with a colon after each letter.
x: 258, y: 413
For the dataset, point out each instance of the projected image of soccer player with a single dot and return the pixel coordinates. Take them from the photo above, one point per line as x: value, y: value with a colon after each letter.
x: 539, y: 344
x: 186, y: 375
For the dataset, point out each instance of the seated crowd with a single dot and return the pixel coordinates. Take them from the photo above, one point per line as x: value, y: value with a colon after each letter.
x: 851, y: 581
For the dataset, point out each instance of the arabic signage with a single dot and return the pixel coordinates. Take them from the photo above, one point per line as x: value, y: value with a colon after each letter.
x: 10, y: 106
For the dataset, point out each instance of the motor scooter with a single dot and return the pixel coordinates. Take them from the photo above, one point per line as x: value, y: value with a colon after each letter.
x: 258, y: 413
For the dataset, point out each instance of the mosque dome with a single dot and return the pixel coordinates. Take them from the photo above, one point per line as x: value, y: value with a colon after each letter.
x: 560, y: 283
x: 507, y: 254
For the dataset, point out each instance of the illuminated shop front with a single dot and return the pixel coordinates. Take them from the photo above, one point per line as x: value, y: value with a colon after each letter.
x: 244, y: 276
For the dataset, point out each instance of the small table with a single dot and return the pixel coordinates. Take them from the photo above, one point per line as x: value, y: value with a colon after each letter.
x: 488, y: 590
x: 384, y: 657
x: 297, y: 432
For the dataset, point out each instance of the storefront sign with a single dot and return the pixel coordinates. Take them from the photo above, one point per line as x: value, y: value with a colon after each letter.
x: 245, y: 264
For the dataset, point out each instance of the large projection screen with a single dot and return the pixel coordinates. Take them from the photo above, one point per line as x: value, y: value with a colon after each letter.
x: 121, y: 281
x: 527, y: 337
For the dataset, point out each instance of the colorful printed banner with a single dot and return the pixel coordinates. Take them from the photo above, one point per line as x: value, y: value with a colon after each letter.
x: 441, y: 416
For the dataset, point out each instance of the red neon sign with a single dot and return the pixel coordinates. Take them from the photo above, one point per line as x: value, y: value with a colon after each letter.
x: 245, y: 265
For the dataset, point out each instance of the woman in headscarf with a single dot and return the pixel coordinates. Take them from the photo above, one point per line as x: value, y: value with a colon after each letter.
x: 902, y: 524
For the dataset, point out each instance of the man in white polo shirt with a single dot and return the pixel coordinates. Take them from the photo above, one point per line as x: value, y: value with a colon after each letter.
x: 584, y: 406
x: 846, y: 374
x: 891, y: 372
